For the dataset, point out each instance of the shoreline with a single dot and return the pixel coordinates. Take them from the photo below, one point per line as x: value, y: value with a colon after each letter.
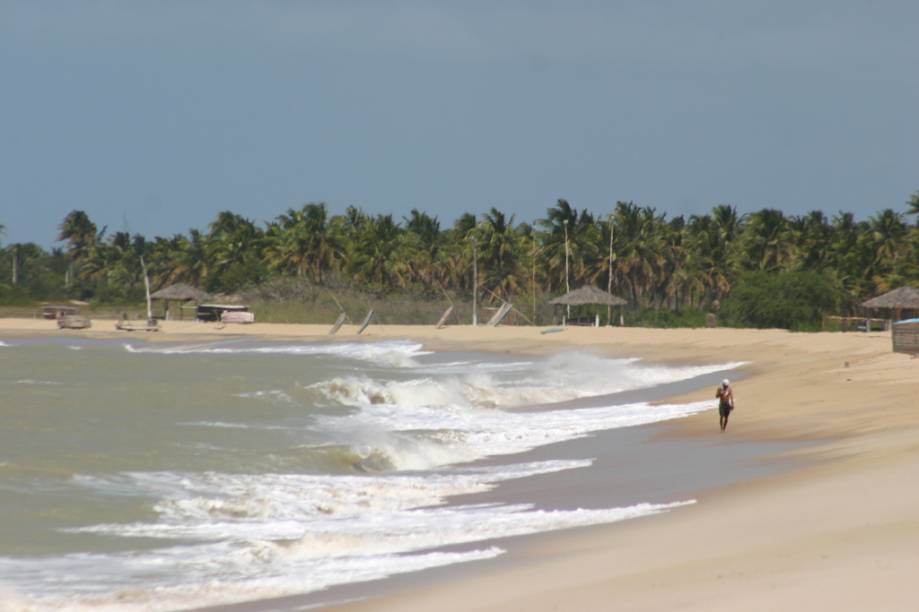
x: 842, y: 531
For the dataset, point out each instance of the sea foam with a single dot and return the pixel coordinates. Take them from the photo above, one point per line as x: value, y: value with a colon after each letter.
x: 271, y: 535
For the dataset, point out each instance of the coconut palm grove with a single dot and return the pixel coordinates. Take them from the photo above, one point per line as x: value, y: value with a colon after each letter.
x: 763, y: 269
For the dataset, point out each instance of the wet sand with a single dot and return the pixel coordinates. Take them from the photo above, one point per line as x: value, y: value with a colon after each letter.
x: 841, y: 531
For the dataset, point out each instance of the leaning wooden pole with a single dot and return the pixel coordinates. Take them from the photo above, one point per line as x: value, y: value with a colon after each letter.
x: 143, y: 267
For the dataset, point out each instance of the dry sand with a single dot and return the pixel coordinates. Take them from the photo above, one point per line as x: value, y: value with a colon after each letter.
x: 842, y: 533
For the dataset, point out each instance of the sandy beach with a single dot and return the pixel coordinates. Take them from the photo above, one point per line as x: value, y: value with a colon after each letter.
x: 841, y: 532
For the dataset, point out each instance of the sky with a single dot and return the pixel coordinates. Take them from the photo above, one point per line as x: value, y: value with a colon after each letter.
x: 154, y: 116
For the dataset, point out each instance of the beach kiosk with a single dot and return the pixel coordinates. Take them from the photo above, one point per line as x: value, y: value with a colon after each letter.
x: 587, y: 295
x: 179, y: 292
x: 900, y: 301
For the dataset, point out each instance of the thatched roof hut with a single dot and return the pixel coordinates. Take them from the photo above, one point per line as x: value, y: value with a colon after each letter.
x: 179, y: 292
x: 588, y: 295
x: 904, y: 298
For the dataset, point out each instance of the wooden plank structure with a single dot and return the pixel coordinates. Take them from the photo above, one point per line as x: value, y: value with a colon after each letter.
x: 74, y: 321
x: 215, y: 312
x: 499, y: 316
x: 905, y: 336
x: 237, y: 316
x: 56, y: 311
x: 442, y: 322
x: 848, y: 324
x: 132, y: 326
x: 365, y: 323
x: 338, y: 323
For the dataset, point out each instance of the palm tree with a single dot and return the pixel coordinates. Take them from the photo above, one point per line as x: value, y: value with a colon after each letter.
x: 887, y: 233
x: 913, y: 204
x: 82, y: 237
x: 234, y: 246
x: 812, y: 235
x: 300, y: 240
x: 637, y: 249
x: 767, y: 244
x: 559, y: 220
x: 423, y: 241
x: 499, y: 249
x: 191, y: 259
x: 560, y: 233
x: 710, y: 241
x: 375, y: 253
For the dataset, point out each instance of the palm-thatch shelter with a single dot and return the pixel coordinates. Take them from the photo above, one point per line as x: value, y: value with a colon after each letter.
x: 179, y: 292
x: 587, y: 295
x: 897, y: 301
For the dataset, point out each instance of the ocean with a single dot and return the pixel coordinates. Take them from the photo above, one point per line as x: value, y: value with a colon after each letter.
x: 160, y: 475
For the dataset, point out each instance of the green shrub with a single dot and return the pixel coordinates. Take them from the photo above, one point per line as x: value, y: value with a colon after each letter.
x: 789, y: 300
x: 649, y: 317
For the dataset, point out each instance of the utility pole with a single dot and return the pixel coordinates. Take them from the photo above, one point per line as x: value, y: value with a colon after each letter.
x: 534, y: 278
x: 567, y: 286
x: 475, y: 281
x: 14, y: 252
x: 609, y: 284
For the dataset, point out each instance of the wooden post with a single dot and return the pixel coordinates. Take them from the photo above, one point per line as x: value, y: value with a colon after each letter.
x: 609, y: 281
x: 475, y: 281
x: 150, y: 319
x: 567, y: 286
x: 534, y: 277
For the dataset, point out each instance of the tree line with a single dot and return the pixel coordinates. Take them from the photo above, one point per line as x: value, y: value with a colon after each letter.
x: 652, y: 260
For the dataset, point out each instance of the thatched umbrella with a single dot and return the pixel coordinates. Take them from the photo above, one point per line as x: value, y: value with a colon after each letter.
x: 179, y: 292
x: 588, y: 295
x: 903, y: 298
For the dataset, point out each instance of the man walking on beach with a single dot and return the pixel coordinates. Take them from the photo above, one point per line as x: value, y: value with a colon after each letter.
x: 725, y: 397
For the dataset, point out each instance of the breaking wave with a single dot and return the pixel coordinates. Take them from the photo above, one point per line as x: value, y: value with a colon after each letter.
x: 557, y: 379
x: 396, y: 353
x: 264, y: 535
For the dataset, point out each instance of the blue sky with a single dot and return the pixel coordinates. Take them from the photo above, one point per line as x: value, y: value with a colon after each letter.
x: 154, y: 116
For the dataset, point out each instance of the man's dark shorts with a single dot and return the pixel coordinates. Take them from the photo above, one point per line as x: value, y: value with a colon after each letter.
x: 724, y: 409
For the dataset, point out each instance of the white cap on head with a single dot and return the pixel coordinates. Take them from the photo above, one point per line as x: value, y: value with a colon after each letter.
x: 725, y: 382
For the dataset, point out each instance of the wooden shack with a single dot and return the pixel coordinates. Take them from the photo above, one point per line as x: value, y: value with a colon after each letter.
x: 56, y: 311
x: 905, y: 336
x: 182, y: 293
